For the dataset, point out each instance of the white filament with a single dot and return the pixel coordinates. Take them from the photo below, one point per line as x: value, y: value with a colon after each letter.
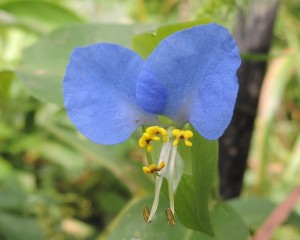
x: 171, y: 178
x: 164, y: 156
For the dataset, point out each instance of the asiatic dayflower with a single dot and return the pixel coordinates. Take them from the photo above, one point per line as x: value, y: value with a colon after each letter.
x: 110, y: 91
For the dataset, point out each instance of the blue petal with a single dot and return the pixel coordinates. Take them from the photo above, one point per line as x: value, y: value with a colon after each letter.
x: 194, y: 73
x: 99, y: 92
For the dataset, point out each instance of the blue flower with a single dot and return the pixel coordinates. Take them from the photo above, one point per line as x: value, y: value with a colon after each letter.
x: 110, y: 91
x: 191, y: 77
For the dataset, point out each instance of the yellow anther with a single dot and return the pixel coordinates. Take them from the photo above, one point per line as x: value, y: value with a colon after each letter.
x: 150, y: 135
x: 161, y: 165
x: 146, y: 139
x: 153, y: 168
x: 149, y: 148
x: 154, y: 130
x: 184, y: 135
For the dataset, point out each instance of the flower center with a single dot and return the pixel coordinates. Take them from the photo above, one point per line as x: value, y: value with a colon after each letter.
x: 165, y: 166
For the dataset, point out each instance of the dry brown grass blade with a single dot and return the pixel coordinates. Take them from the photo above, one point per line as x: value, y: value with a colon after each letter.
x: 278, y: 216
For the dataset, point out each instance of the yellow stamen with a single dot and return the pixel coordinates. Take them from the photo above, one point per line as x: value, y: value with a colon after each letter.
x: 154, y: 130
x: 150, y: 135
x: 184, y: 135
x: 145, y: 140
x: 153, y: 168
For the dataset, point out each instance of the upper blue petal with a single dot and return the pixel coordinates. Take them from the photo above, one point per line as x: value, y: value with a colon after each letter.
x: 99, y: 92
x: 191, y: 76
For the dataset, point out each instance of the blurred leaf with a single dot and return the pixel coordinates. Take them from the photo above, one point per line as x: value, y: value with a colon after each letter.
x: 130, y: 224
x: 58, y: 154
x: 44, y: 63
x: 6, y: 78
x: 276, y: 79
x: 42, y: 15
x: 5, y: 169
x: 255, y: 210
x: 12, y: 201
x: 17, y: 227
x: 228, y: 224
x: 110, y: 157
x: 145, y: 43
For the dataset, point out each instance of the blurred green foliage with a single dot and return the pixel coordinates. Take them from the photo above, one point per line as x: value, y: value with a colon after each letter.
x: 54, y: 184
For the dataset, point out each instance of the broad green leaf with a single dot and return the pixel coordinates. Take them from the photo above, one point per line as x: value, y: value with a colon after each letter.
x: 40, y: 15
x: 71, y: 162
x: 254, y: 211
x: 193, y: 193
x: 44, y: 63
x: 228, y: 224
x: 5, y: 168
x: 17, y: 227
x: 204, y: 162
x: 12, y: 201
x: 130, y: 224
x: 185, y: 205
x: 145, y: 43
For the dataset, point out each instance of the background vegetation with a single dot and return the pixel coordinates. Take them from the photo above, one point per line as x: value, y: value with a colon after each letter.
x: 54, y: 184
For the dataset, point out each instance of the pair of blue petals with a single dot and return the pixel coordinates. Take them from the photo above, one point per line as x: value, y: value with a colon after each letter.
x: 110, y: 91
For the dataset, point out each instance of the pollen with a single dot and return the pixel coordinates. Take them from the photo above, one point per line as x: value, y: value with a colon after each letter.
x: 151, y: 134
x: 155, y: 130
x: 182, y: 135
x: 153, y: 168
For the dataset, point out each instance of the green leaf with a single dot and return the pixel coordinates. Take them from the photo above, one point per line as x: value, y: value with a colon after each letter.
x: 113, y: 158
x: 255, y: 210
x: 40, y: 15
x: 12, y: 201
x: 6, y: 79
x: 145, y: 43
x: 60, y: 155
x: 130, y: 224
x: 17, y: 227
x: 194, y: 189
x: 44, y: 63
x: 185, y: 205
x: 204, y: 162
x: 228, y: 224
